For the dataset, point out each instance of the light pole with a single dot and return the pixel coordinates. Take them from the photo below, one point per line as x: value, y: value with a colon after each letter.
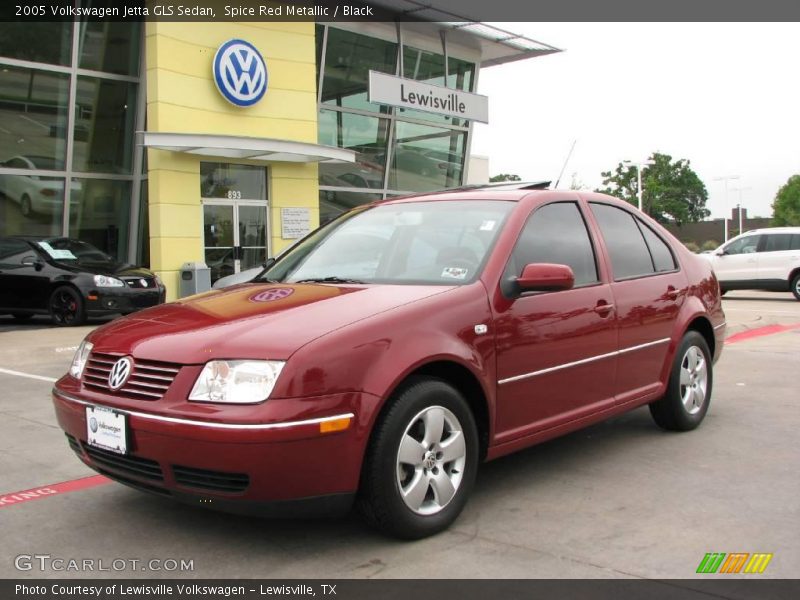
x: 639, y: 166
x: 726, y: 178
x: 739, y: 206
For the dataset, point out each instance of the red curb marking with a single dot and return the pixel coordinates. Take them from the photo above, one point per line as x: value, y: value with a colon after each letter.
x: 49, y: 490
x: 759, y: 332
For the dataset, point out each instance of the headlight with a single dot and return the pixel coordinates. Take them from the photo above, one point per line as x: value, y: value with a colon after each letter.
x: 79, y: 360
x: 105, y: 281
x: 236, y: 381
x: 159, y: 283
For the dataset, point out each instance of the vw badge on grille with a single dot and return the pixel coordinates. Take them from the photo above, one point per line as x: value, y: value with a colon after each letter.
x: 119, y: 373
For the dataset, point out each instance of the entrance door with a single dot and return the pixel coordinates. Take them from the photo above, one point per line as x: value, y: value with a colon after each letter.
x: 235, y: 236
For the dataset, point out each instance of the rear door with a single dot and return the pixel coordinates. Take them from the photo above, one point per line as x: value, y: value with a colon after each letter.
x: 22, y: 286
x: 649, y: 289
x: 778, y: 256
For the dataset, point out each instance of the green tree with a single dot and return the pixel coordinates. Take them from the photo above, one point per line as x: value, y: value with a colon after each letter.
x: 672, y: 190
x: 786, y: 207
x: 504, y: 177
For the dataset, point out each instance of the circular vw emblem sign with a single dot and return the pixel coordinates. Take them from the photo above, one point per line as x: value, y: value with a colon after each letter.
x: 240, y: 73
x: 272, y: 294
x: 120, y: 373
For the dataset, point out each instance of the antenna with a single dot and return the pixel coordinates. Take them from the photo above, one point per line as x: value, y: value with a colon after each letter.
x: 575, y: 141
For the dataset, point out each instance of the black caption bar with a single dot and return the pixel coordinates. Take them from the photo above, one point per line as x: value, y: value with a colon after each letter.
x: 401, y: 10
x: 456, y: 589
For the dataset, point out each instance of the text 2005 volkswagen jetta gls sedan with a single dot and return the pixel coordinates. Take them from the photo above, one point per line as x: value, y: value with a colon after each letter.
x: 394, y: 349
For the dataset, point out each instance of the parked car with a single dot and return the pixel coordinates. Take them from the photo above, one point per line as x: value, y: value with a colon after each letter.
x: 37, y: 194
x: 762, y: 259
x: 387, y: 354
x: 70, y: 280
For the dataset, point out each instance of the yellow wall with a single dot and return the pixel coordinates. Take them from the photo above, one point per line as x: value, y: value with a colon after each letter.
x: 182, y: 98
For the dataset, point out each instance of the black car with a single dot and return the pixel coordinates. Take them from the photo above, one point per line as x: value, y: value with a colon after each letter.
x: 70, y: 280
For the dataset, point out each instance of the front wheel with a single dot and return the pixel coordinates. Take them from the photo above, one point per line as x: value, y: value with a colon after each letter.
x: 796, y: 286
x: 688, y: 395
x: 67, y: 307
x: 421, y: 463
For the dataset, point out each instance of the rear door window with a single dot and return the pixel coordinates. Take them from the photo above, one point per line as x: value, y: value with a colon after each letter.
x: 630, y: 255
x: 777, y: 242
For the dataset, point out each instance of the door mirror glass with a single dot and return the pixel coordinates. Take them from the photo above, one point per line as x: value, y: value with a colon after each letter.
x: 545, y: 277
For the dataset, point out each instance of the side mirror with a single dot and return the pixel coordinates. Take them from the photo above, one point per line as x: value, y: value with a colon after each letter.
x: 33, y: 261
x: 720, y: 252
x: 545, y: 277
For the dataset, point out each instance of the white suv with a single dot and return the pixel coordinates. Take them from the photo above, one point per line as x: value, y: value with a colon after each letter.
x: 762, y: 259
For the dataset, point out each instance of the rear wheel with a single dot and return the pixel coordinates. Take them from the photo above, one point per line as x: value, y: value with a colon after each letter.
x: 421, y: 463
x: 688, y: 395
x: 67, y: 307
x: 796, y: 286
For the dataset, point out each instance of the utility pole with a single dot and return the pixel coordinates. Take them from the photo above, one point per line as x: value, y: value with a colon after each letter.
x: 726, y: 178
x: 639, y: 166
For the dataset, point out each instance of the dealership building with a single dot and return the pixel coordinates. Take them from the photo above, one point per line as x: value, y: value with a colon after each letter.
x: 223, y: 142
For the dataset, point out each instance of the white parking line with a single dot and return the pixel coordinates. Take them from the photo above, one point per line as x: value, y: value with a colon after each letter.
x: 767, y: 312
x: 28, y: 375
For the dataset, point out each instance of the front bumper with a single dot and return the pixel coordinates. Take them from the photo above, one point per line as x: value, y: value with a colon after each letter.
x: 124, y: 300
x: 277, y: 468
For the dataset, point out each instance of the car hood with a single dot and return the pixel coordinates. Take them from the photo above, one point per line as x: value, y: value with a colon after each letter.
x: 259, y: 321
x: 106, y: 268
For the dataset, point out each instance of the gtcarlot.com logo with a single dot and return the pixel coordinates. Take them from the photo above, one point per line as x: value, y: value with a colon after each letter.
x: 46, y: 562
x: 735, y: 562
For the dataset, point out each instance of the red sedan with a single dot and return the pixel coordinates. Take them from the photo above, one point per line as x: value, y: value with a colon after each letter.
x: 387, y: 354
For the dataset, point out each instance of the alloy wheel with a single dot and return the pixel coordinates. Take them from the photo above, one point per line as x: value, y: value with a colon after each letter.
x: 430, y: 460
x: 694, y: 379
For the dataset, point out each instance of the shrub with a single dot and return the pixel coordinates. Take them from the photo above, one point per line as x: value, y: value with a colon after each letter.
x: 710, y: 245
x: 692, y: 246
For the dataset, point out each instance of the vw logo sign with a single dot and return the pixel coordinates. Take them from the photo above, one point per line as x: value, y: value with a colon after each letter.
x: 93, y: 424
x: 272, y: 294
x: 240, y: 73
x: 119, y: 373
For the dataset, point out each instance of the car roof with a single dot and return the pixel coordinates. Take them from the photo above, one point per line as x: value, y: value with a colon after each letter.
x: 773, y: 230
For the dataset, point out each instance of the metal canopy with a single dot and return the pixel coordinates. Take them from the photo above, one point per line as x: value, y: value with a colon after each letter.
x: 241, y: 147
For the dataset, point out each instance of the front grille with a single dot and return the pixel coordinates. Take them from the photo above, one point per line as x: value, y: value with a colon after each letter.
x: 135, y: 484
x: 134, y: 466
x: 215, y: 481
x: 149, y: 380
x: 140, y: 283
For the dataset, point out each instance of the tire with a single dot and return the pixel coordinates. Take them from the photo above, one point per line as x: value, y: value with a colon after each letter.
x: 25, y: 206
x: 436, y: 489
x: 685, y: 403
x: 795, y: 286
x: 66, y: 306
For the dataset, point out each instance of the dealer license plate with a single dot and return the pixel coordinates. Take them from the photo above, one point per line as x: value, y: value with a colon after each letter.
x: 107, y: 429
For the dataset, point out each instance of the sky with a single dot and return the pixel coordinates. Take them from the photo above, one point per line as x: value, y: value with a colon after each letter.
x: 725, y: 96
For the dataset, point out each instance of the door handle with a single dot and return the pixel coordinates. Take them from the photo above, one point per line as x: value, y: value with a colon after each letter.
x: 603, y: 308
x: 672, y: 293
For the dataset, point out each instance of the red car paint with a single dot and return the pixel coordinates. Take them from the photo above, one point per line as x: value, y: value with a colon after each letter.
x: 349, y: 346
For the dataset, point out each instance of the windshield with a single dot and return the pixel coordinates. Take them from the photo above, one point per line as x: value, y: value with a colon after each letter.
x: 74, y: 251
x: 441, y: 242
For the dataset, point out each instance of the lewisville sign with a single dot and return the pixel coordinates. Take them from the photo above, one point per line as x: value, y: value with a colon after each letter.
x: 407, y: 93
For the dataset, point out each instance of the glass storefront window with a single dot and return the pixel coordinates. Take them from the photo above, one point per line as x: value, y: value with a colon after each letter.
x: 31, y: 205
x: 101, y: 214
x: 110, y: 47
x: 33, y: 118
x: 234, y: 182
x: 460, y: 74
x: 143, y: 250
x: 38, y: 42
x: 105, y: 112
x: 367, y: 136
x: 349, y: 57
x: 426, y: 158
x: 428, y: 67
x: 333, y: 203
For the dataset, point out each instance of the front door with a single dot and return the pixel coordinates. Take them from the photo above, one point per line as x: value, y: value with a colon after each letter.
x: 235, y: 236
x: 556, y: 351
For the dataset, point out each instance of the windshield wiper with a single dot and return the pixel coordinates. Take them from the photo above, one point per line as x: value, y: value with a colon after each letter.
x: 332, y: 279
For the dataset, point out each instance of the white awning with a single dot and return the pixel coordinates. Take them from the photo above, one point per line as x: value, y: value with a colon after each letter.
x: 241, y: 147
